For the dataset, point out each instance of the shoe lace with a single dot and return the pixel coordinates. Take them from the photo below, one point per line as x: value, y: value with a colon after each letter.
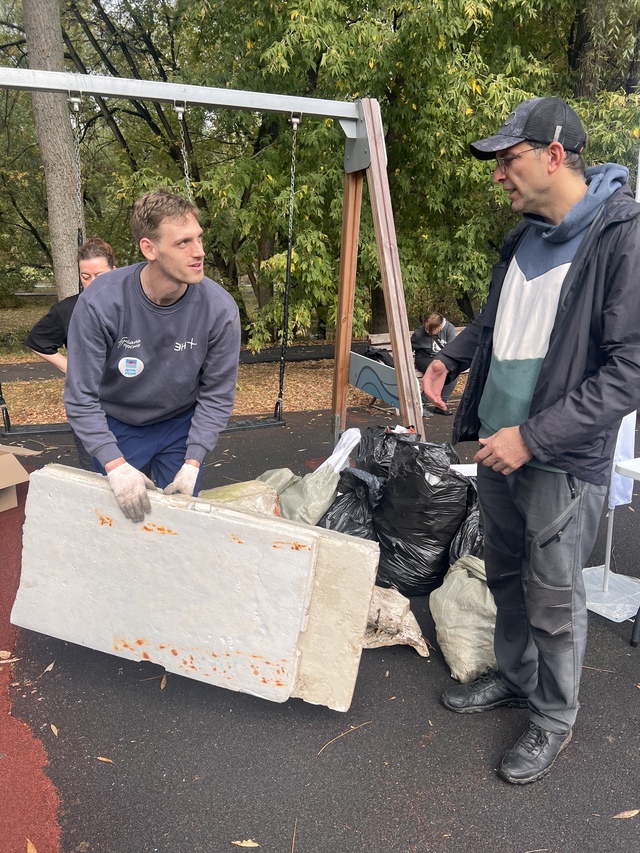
x: 533, y: 738
x: 488, y: 678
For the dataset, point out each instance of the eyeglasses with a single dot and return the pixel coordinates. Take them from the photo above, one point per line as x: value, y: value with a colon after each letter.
x: 505, y: 162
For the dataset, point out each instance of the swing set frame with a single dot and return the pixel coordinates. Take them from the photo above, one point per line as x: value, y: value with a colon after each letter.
x: 365, y: 152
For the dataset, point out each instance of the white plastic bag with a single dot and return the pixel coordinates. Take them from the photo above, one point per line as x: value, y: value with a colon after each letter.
x: 307, y: 498
x: 251, y: 496
x: 304, y: 499
x: 464, y: 613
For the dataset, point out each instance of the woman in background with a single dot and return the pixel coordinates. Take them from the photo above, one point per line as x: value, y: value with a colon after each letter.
x: 95, y: 257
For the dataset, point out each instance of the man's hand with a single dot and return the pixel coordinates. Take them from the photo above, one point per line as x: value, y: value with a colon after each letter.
x: 504, y: 451
x: 184, y: 483
x: 433, y: 383
x: 129, y: 487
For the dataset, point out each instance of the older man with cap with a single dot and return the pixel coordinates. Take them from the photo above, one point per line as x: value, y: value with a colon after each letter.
x: 554, y: 364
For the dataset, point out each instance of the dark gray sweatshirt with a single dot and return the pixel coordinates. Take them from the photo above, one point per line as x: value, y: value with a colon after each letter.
x: 143, y: 363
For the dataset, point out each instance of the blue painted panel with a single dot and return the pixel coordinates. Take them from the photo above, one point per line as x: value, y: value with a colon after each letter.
x: 374, y: 378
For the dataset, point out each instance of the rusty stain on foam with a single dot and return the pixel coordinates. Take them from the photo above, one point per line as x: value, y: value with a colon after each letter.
x: 149, y: 527
x: 105, y: 520
x: 237, y: 539
x: 188, y: 663
x: 295, y: 546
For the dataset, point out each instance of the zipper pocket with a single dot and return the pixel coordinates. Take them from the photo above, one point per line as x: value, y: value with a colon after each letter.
x: 557, y: 536
x: 570, y: 484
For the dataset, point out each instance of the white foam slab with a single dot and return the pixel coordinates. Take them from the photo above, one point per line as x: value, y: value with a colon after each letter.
x: 208, y: 592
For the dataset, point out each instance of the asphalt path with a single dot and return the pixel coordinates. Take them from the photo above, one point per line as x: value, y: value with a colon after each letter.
x: 196, y: 768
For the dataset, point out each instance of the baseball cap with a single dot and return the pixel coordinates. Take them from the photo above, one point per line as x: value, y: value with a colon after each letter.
x: 543, y: 120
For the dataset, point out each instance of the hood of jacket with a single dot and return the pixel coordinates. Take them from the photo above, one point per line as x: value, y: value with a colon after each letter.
x: 602, y: 182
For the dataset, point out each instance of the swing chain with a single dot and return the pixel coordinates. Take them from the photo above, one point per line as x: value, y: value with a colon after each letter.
x: 295, y: 121
x: 74, y: 101
x: 179, y: 111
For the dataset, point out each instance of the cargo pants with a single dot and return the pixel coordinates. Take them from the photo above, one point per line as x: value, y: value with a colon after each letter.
x: 539, y: 529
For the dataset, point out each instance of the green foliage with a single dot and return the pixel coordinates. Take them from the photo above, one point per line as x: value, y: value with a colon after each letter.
x: 446, y: 72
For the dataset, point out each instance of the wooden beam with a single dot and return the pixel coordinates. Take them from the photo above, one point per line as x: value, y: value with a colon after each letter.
x: 352, y: 206
x: 384, y: 227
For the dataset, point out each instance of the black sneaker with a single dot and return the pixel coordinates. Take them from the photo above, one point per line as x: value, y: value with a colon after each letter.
x: 483, y: 694
x: 438, y: 411
x: 533, y: 755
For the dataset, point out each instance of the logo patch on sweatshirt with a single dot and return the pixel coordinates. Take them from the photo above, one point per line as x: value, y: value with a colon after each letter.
x: 130, y: 366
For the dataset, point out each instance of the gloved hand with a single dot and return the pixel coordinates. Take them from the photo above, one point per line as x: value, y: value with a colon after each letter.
x: 129, y: 487
x: 184, y: 483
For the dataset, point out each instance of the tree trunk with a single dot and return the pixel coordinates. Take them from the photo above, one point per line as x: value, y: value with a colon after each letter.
x: 379, y: 319
x: 262, y: 292
x: 466, y: 306
x: 53, y: 127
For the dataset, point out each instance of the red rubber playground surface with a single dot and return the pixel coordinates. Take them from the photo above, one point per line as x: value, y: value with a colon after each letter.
x: 28, y: 814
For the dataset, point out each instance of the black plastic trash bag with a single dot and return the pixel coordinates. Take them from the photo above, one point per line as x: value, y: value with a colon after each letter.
x: 352, y: 511
x: 381, y: 355
x: 469, y: 540
x: 423, y: 504
x: 376, y: 449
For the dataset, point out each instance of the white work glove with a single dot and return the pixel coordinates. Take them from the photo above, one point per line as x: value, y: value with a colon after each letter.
x: 129, y: 487
x: 184, y: 482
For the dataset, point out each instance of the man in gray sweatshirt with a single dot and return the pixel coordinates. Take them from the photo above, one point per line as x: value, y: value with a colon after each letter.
x: 153, y: 359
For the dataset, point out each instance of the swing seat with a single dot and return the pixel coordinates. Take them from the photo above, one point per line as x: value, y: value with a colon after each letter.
x: 236, y: 425
x: 44, y: 429
x: 34, y: 429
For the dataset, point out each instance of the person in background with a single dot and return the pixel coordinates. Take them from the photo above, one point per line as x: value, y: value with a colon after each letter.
x: 49, y: 335
x: 554, y: 365
x: 153, y: 359
x: 426, y: 343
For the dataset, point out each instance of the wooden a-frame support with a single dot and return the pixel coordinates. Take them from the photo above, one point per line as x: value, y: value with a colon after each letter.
x: 389, y: 261
x: 365, y: 150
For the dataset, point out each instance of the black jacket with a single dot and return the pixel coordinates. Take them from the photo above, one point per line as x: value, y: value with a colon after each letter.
x: 50, y: 333
x: 590, y: 376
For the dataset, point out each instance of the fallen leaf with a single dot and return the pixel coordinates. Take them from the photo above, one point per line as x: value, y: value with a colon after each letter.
x: 31, y: 847
x: 54, y: 729
x: 163, y: 683
x: 100, y: 758
x: 631, y: 813
x: 247, y: 843
x: 9, y: 660
x: 4, y: 655
x: 48, y: 669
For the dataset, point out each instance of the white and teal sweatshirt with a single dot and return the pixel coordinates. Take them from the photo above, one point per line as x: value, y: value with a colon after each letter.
x: 529, y: 300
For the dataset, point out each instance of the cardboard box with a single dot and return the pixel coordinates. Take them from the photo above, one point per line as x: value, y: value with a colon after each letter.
x: 11, y: 474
